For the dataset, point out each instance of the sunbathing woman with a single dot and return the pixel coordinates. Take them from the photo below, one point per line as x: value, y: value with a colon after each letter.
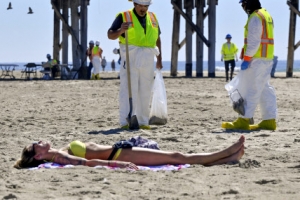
x: 91, y: 154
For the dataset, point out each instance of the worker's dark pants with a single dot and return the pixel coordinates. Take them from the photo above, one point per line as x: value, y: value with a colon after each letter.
x: 232, y: 63
x: 54, y: 70
x: 89, y: 71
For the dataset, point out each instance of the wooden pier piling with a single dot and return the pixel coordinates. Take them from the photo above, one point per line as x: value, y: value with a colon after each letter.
x: 294, y: 7
x: 190, y: 29
x: 77, y: 29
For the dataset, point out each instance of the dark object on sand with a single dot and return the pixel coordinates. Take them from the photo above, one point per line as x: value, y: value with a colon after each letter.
x: 238, y: 106
x: 157, y: 121
x: 237, y: 102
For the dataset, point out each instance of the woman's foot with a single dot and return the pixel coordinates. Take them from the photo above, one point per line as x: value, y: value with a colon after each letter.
x: 219, y: 156
x: 230, y: 159
x: 238, y: 155
x: 233, y: 148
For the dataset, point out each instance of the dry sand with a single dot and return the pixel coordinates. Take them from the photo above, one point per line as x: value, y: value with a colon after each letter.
x: 61, y: 111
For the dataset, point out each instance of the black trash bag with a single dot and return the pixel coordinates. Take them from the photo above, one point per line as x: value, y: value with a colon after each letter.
x: 238, y: 106
x: 237, y: 102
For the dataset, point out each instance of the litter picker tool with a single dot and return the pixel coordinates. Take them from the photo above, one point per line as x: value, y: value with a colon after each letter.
x: 131, y: 120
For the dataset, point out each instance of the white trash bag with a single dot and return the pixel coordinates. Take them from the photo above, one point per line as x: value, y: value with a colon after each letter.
x: 158, y: 111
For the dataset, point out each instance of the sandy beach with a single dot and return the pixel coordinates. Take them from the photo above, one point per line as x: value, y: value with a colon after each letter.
x: 62, y: 111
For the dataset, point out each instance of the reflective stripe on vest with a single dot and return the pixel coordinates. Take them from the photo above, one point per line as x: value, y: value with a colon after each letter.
x: 128, y: 18
x: 267, y: 41
x: 153, y: 19
x: 136, y: 33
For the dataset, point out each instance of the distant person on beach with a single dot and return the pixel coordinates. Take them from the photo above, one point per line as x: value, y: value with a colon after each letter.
x: 117, y: 51
x: 144, y: 43
x: 228, y: 53
x: 103, y: 63
x: 256, y: 67
x: 122, y: 155
x: 96, y: 56
x: 275, y: 60
x: 52, y: 66
x: 89, y: 54
x: 113, y: 65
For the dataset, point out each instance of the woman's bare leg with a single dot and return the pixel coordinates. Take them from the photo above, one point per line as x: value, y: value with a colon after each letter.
x: 216, y: 156
x: 143, y: 156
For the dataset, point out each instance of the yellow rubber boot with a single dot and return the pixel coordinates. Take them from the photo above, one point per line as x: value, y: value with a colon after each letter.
x: 240, y: 123
x: 97, y: 76
x: 269, y: 124
x: 93, y: 77
x: 145, y: 127
x: 125, y: 127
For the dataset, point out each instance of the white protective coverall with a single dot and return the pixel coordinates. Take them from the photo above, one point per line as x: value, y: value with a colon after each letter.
x: 253, y: 83
x: 141, y: 61
x: 96, y: 64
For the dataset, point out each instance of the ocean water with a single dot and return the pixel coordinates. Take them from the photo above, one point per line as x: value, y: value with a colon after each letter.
x: 281, y: 66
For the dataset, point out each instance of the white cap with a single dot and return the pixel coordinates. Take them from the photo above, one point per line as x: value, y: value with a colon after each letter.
x: 97, y: 43
x: 143, y: 2
x: 91, y: 42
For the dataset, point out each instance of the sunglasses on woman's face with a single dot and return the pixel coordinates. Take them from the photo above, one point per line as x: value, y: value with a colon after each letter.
x: 32, y: 148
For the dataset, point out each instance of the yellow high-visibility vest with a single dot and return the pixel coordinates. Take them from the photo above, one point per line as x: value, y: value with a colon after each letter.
x: 136, y: 33
x: 266, y: 48
x: 96, y: 51
x: 52, y: 62
x: 228, y: 53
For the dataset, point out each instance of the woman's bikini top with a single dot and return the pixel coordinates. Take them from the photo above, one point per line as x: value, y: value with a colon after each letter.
x: 78, y: 148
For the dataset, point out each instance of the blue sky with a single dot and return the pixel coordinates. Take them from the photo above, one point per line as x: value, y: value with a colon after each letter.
x: 28, y: 38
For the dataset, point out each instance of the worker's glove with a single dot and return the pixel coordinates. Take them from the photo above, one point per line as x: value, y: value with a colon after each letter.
x: 246, y: 62
x: 245, y: 65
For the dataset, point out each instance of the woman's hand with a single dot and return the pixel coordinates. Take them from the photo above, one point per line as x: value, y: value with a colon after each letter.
x: 121, y: 164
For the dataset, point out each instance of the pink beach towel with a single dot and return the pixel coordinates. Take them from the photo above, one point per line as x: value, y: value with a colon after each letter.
x: 51, y: 165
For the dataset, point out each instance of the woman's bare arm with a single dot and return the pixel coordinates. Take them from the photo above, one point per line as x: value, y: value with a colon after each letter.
x: 67, y: 159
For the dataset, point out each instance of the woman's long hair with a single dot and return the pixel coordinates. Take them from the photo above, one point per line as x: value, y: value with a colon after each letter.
x: 27, y: 160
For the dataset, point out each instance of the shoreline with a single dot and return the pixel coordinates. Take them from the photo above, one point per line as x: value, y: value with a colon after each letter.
x: 166, y: 74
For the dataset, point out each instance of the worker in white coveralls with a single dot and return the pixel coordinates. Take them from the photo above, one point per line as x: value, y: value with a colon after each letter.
x: 253, y: 80
x: 96, y: 55
x: 144, y: 43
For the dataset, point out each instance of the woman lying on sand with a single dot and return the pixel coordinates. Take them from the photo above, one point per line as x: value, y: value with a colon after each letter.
x: 91, y: 154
